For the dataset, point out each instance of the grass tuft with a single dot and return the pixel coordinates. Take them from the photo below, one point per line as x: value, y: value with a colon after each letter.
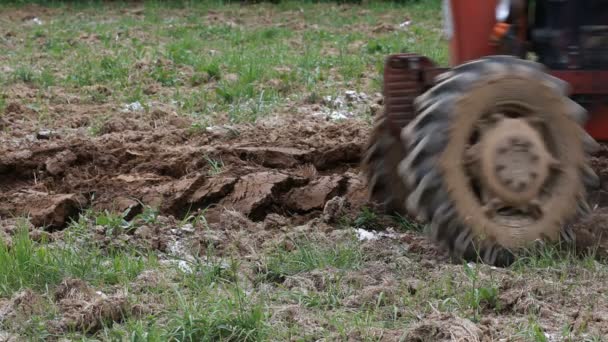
x: 29, y: 264
x: 307, y: 256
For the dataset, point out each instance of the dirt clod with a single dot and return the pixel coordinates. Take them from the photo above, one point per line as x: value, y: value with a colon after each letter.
x: 275, y: 157
x: 253, y: 193
x: 592, y: 233
x: 57, y: 164
x: 315, y: 194
x: 444, y: 327
x: 55, y: 211
x: 334, y: 209
x: 84, y: 309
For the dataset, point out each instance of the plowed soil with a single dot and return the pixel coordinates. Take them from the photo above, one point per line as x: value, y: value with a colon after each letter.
x: 288, y: 167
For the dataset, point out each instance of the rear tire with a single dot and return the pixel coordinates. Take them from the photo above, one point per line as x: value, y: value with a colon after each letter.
x: 434, y: 173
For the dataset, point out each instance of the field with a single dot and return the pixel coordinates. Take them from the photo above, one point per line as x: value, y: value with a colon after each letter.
x: 190, y: 173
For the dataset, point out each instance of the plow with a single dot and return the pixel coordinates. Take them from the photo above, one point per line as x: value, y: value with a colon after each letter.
x: 493, y: 153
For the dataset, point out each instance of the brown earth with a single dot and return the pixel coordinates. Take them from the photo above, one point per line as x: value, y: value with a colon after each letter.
x: 289, y: 167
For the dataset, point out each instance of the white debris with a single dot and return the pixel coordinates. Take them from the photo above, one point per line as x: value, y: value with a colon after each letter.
x: 346, y: 106
x: 366, y: 235
x: 101, y: 294
x: 354, y: 97
x: 339, y: 115
x: 552, y: 337
x: 405, y: 23
x: 37, y: 21
x: 184, y: 267
x: 188, y: 228
x: 178, y: 249
x: 133, y: 107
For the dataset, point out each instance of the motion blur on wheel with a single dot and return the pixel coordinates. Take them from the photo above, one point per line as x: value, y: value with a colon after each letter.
x: 493, y: 153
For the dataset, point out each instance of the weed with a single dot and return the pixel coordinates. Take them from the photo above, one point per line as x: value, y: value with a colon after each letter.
x: 226, y: 319
x: 24, y: 74
x: 114, y: 224
x: 2, y: 104
x: 215, y: 166
x: 367, y: 218
x: 532, y: 331
x: 477, y: 296
x: 329, y: 298
x: 149, y: 215
x: 408, y: 224
x: 196, y: 219
x: 549, y: 256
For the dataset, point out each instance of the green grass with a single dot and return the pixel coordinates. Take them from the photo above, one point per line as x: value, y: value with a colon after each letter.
x: 310, y: 255
x: 27, y: 264
x: 235, y: 68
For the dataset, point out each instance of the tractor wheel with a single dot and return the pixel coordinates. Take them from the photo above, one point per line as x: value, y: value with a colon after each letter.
x: 380, y: 164
x: 496, y: 159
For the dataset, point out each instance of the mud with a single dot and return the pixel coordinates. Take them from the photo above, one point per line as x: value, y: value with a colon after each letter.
x: 291, y: 168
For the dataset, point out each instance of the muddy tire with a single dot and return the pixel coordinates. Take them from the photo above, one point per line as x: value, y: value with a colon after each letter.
x: 454, y: 197
x: 380, y: 164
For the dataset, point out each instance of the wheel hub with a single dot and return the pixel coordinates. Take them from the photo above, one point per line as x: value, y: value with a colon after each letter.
x: 514, y: 161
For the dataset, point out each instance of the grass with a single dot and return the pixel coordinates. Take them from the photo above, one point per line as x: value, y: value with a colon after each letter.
x: 26, y: 264
x: 225, y: 65
x: 305, y: 255
x: 216, y: 166
x: 233, y: 299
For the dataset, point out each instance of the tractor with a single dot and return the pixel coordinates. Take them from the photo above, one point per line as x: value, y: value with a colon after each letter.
x: 493, y: 153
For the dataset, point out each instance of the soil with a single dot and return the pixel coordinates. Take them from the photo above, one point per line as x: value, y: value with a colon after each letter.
x: 290, y: 167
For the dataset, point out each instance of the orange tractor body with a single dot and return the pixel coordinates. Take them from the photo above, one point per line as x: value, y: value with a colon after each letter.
x: 475, y: 33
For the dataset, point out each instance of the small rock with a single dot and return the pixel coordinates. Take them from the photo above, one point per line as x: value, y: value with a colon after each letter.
x: 133, y: 107
x: 188, y: 228
x: 44, y: 134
